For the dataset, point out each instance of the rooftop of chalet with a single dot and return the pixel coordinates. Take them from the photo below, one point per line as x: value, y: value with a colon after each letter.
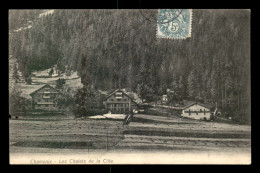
x: 131, y: 94
x: 187, y: 104
x: 43, y: 86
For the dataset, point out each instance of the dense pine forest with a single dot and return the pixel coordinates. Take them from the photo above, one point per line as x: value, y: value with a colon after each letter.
x: 113, y: 49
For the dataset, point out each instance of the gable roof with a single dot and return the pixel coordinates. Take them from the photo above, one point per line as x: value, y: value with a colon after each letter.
x: 123, y: 93
x: 194, y: 103
x: 43, y: 87
x: 117, y: 90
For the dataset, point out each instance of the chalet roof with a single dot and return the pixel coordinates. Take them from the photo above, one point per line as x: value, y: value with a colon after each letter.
x: 193, y: 103
x: 121, y: 90
x: 43, y: 87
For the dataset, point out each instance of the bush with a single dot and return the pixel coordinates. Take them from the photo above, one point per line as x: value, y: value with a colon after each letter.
x: 18, y: 104
x: 88, y: 102
x: 94, y: 112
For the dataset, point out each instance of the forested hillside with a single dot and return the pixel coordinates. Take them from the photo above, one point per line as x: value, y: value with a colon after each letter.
x: 118, y: 49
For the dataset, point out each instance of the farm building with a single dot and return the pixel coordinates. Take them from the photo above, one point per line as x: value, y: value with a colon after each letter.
x: 44, y: 98
x: 119, y: 102
x: 197, y: 111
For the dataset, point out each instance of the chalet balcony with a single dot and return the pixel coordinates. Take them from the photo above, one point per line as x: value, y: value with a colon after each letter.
x: 48, y: 92
x: 45, y: 103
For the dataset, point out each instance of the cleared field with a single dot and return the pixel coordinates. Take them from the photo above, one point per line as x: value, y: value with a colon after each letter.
x: 176, y: 133
x: 171, y: 137
x: 175, y: 122
x: 64, y: 134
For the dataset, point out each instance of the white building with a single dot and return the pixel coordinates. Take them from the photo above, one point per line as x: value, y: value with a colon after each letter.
x: 196, y: 111
x: 164, y: 98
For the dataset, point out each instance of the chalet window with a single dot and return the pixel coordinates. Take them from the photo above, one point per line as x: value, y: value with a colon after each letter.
x: 196, y: 112
x: 39, y: 100
x: 46, y: 105
x: 118, y: 99
x: 204, y: 112
x: 111, y: 99
x: 189, y: 111
x: 200, y: 110
x: 119, y: 95
x: 125, y: 99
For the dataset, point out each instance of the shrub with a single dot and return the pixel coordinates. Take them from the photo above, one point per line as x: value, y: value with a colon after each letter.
x: 93, y: 112
x: 18, y: 104
x: 88, y: 102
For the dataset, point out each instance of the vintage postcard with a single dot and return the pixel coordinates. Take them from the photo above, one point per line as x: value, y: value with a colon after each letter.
x: 132, y: 86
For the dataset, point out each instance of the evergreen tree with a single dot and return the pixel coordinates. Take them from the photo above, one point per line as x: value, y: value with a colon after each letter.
x: 191, y: 85
x: 17, y: 103
x: 15, y: 73
x: 87, y: 102
x: 51, y: 72
x: 60, y: 83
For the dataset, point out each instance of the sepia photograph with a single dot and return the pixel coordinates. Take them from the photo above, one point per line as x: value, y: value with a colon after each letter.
x: 129, y: 86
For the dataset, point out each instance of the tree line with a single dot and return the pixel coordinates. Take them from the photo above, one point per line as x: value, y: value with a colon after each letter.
x: 113, y: 49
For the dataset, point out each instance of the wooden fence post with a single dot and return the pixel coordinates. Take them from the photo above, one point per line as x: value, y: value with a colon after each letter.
x: 107, y: 138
